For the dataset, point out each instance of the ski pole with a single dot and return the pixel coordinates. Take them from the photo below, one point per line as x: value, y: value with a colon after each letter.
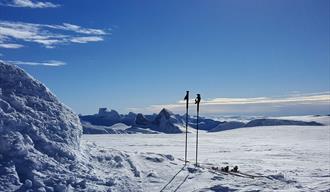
x: 197, y: 101
x: 187, y: 103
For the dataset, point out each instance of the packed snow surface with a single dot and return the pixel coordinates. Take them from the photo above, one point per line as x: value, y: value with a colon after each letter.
x: 286, y: 158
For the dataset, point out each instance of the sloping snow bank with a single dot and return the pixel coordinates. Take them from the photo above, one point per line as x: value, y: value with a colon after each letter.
x: 36, y: 130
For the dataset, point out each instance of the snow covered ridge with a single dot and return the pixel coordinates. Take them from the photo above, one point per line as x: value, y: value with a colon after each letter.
x: 107, y: 122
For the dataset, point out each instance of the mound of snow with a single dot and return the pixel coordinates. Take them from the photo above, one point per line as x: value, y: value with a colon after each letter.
x: 36, y: 130
x: 120, y: 127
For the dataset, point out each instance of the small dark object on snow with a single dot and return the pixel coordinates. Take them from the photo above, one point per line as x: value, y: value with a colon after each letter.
x: 192, y: 169
x: 235, y: 169
x: 225, y: 169
x: 215, y: 168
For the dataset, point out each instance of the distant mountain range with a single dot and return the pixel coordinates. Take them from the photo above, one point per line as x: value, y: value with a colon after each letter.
x: 111, y: 122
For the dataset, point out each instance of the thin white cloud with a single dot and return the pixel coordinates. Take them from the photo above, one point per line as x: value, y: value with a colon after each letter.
x: 28, y: 4
x: 78, y: 29
x: 255, y: 105
x: 14, y: 34
x: 50, y: 63
x: 10, y: 45
x: 86, y: 39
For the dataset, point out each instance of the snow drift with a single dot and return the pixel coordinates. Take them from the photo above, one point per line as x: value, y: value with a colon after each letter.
x: 36, y: 130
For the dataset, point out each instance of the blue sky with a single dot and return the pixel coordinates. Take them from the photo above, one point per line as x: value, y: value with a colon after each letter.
x: 143, y: 55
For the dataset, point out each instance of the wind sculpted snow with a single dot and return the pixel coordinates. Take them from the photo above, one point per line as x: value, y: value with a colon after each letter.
x: 37, y: 131
x: 282, y: 158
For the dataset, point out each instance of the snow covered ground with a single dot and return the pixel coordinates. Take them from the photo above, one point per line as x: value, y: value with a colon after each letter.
x: 288, y: 158
x: 41, y: 149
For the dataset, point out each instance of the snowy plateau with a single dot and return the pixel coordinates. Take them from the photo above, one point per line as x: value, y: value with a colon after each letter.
x: 43, y: 148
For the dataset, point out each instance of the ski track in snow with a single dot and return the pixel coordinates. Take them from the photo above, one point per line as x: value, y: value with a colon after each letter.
x: 291, y: 158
